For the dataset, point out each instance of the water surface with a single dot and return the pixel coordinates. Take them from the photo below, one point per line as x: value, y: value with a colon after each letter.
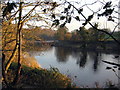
x: 84, y: 68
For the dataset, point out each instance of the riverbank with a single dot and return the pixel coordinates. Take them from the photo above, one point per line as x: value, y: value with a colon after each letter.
x: 43, y: 79
x: 38, y: 78
x: 34, y: 76
x: 101, y: 46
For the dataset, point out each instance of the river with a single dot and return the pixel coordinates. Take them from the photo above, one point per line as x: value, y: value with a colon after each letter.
x: 85, y: 68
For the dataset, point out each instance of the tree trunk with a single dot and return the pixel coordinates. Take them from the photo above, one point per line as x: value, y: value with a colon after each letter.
x: 16, y: 79
x: 3, y: 69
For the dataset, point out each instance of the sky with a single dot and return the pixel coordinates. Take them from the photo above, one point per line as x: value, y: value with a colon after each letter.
x: 103, y: 23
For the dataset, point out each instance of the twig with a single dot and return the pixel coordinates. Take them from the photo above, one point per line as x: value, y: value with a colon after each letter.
x: 111, y: 63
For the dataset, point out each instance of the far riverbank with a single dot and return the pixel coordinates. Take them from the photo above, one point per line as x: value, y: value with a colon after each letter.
x: 106, y: 46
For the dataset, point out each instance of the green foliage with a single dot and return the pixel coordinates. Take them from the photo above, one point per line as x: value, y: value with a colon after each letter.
x: 82, y: 33
x: 117, y: 35
x: 95, y: 35
x: 61, y: 32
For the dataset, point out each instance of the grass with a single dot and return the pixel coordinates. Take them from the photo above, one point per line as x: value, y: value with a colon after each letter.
x: 38, y: 78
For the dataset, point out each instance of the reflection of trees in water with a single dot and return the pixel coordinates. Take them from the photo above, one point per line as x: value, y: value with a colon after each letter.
x: 76, y: 54
x: 82, y: 59
x: 95, y: 65
x: 119, y: 72
x: 95, y: 56
x: 62, y: 54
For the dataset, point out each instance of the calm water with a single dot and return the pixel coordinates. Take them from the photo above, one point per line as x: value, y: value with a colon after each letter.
x: 84, y: 68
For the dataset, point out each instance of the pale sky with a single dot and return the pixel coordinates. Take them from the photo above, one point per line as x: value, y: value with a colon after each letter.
x: 86, y: 11
x: 102, y: 21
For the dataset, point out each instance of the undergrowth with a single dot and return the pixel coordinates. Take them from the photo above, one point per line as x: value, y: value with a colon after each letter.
x: 38, y: 78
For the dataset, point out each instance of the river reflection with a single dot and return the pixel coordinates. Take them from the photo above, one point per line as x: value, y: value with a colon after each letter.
x: 62, y: 54
x: 84, y: 68
x: 96, y: 57
x: 80, y: 56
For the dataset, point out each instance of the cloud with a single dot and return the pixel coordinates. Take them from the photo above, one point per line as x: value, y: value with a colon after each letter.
x: 2, y: 1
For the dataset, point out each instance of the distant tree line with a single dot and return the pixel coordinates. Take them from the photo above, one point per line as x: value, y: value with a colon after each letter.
x: 84, y: 34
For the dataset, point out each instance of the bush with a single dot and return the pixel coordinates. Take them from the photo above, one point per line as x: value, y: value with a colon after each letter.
x: 40, y: 78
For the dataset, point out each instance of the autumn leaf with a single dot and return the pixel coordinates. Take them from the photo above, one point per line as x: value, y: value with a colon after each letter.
x: 62, y: 17
x: 107, y: 12
x: 44, y: 10
x: 69, y: 6
x: 110, y: 18
x: 69, y: 19
x: 80, y: 10
x: 62, y: 25
x: 53, y: 16
x: 77, y: 18
x: 65, y: 10
x: 8, y: 8
x: 46, y: 2
x: 88, y: 19
x: 55, y: 22
x: 107, y: 5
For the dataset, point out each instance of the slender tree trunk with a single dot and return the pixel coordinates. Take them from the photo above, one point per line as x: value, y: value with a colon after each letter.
x: 10, y: 59
x: 3, y: 70
x: 19, y: 46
